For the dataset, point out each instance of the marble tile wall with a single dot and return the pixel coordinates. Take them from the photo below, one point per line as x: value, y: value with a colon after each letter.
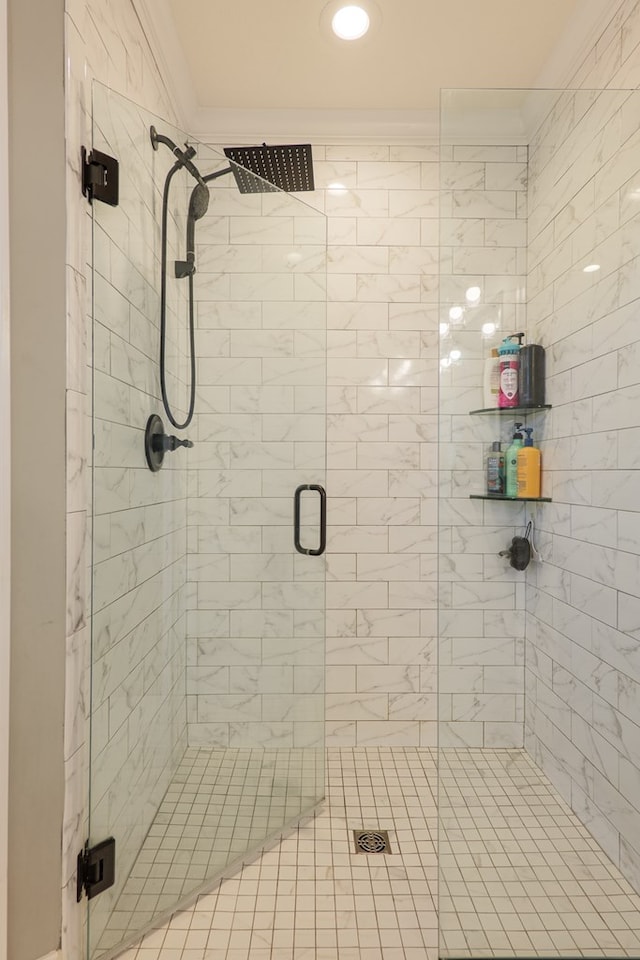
x: 382, y: 207
x: 583, y: 603
x: 381, y: 204
x: 255, y: 648
x: 482, y: 299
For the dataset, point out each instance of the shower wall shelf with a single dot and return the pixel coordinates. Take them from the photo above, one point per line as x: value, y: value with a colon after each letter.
x: 502, y: 496
x: 509, y: 411
x: 501, y: 412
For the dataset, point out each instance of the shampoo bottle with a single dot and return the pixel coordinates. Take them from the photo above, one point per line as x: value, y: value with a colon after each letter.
x: 528, y: 468
x: 491, y: 381
x: 509, y: 351
x: 511, y: 463
x: 495, y: 470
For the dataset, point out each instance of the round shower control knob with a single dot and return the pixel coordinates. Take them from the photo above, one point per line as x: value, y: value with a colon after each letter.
x: 157, y: 442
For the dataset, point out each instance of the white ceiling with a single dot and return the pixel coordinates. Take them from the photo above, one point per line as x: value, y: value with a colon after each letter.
x: 240, y: 67
x: 273, y: 54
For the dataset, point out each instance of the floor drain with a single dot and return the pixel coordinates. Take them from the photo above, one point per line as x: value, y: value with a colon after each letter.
x: 372, y: 841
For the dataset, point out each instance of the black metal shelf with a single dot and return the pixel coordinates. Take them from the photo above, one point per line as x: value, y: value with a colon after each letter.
x: 509, y: 411
x: 501, y: 496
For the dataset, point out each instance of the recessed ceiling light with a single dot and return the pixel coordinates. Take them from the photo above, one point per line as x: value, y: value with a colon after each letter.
x: 350, y: 22
x: 591, y: 268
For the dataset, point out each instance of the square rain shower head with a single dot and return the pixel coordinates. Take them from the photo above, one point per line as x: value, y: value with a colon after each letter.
x: 288, y: 168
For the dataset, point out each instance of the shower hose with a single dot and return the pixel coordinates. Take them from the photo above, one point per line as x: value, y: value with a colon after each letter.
x: 163, y: 317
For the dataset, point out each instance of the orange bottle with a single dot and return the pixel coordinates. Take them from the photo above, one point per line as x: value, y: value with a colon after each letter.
x: 529, y: 468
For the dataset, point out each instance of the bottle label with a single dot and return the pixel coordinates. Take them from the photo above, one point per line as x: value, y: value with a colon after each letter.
x: 528, y: 475
x: 495, y: 474
x: 509, y: 382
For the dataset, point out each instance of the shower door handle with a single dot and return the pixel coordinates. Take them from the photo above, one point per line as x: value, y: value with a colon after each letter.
x: 323, y: 519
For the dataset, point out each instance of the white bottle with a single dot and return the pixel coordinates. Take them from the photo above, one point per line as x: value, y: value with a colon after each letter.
x: 491, y: 380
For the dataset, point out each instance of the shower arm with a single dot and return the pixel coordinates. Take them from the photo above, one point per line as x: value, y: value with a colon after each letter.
x: 183, y: 156
x: 218, y: 173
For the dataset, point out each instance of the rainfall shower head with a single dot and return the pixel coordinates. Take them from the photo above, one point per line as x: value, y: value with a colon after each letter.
x: 288, y: 167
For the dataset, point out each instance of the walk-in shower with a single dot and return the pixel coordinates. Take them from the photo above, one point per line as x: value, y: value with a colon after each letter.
x: 208, y: 603
x: 207, y: 660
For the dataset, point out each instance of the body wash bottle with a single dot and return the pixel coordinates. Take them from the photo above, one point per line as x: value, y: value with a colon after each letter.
x: 529, y: 463
x: 511, y: 463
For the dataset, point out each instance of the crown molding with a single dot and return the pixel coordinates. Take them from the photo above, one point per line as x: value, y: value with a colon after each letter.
x: 492, y: 125
x: 585, y: 27
x: 225, y: 125
x: 228, y: 125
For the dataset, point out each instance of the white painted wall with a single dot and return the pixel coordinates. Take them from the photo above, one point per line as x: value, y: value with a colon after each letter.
x: 5, y: 464
x: 38, y: 360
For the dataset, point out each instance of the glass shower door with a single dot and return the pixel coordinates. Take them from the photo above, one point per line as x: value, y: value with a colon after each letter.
x: 538, y: 812
x: 207, y: 659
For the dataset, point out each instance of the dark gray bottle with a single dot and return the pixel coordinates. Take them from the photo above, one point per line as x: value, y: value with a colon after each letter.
x: 532, y: 375
x: 495, y: 470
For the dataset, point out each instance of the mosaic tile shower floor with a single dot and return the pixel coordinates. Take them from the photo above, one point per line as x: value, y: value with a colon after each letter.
x: 520, y: 875
x: 219, y: 804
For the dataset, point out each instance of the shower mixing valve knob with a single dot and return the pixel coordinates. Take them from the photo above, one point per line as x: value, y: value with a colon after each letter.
x: 170, y: 443
x: 157, y: 443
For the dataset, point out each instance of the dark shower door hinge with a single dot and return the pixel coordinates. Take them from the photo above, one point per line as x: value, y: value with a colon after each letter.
x: 100, y: 177
x: 96, y: 868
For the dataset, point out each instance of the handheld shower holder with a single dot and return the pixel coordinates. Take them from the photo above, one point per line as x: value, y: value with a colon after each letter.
x: 184, y: 268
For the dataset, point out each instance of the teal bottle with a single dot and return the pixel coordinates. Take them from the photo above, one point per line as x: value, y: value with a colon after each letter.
x: 511, y: 463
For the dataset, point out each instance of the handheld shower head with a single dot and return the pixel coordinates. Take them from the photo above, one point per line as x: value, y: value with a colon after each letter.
x: 199, y: 201
x: 198, y: 206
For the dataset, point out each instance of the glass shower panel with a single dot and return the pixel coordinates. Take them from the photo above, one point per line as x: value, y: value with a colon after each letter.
x: 207, y: 719
x: 255, y: 634
x: 539, y: 821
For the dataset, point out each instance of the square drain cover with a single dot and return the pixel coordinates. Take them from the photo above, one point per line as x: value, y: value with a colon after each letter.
x: 372, y: 841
